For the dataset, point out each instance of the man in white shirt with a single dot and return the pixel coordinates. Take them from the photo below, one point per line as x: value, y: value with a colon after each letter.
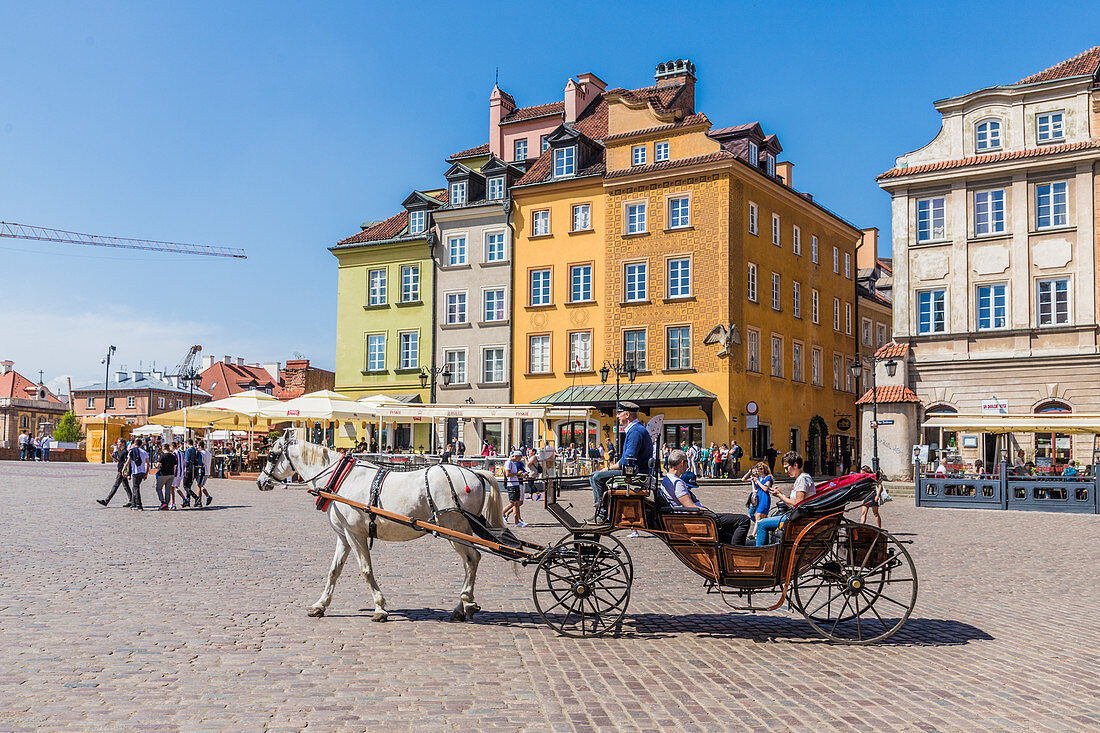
x: 732, y: 528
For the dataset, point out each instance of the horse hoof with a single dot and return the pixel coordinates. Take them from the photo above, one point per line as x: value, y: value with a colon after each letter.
x: 471, y: 609
x: 458, y: 615
x: 315, y: 612
x: 380, y: 617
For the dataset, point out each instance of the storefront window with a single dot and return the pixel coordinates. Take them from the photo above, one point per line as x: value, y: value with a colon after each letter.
x: 577, y: 432
x: 492, y: 433
x: 681, y: 435
x: 1052, y: 450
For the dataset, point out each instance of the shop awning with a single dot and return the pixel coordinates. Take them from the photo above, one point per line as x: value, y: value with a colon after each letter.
x: 405, y: 412
x: 647, y: 395
x: 1057, y: 422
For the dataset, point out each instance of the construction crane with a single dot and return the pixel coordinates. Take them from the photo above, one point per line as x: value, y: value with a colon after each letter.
x: 45, y: 234
x: 186, y: 372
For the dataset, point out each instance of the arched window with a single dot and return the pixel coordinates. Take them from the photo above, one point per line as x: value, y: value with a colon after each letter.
x: 1053, y: 450
x: 987, y: 135
x: 942, y: 438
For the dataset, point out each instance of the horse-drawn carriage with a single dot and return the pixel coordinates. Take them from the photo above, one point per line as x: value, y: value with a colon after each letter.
x: 854, y: 583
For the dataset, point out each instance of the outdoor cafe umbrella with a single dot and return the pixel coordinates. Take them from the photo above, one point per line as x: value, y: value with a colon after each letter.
x: 324, y: 405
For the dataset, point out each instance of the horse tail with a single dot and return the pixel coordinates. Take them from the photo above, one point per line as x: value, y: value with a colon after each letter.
x: 493, y: 510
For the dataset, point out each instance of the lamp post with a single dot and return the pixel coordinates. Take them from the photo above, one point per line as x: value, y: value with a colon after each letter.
x: 856, y: 369
x: 106, y: 384
x: 429, y: 374
x: 628, y: 369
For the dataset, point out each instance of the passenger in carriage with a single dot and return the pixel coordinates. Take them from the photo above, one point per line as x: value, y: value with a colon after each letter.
x: 803, y: 489
x: 732, y: 528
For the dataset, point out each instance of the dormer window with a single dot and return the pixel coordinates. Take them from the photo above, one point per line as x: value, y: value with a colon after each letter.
x: 417, y: 221
x: 565, y: 161
x: 754, y: 154
x: 771, y: 165
x: 458, y: 193
x: 637, y: 155
x: 660, y: 151
x: 496, y: 188
x: 988, y: 135
x: 1049, y: 126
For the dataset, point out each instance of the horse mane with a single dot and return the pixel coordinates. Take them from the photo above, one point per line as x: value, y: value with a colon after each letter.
x: 313, y: 453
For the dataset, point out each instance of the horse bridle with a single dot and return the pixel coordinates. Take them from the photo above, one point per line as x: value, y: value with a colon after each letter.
x: 273, y: 457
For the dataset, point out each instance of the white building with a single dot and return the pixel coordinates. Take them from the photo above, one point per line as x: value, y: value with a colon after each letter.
x: 995, y: 254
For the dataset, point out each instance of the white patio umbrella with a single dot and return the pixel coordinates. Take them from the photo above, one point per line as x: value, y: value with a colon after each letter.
x: 322, y: 405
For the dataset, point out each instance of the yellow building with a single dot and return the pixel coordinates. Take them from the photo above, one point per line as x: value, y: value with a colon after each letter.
x: 723, y: 285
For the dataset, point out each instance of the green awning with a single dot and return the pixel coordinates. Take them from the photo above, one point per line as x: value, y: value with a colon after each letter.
x: 647, y: 395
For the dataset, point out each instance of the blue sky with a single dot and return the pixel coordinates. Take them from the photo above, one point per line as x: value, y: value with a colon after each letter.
x: 279, y: 127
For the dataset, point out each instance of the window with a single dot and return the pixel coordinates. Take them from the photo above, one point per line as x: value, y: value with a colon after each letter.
x: 541, y: 221
x: 679, y: 347
x: 493, y: 306
x: 540, y: 287
x: 754, y: 155
x: 988, y: 135
x: 880, y: 335
x: 931, y: 311
x: 90, y: 403
x: 775, y: 230
x: 752, y: 347
x: 777, y: 295
x: 836, y: 314
x: 410, y: 283
x: 815, y: 367
x: 754, y: 219
x: 492, y: 365
x: 539, y: 351
x: 1051, y: 205
x: 796, y: 241
x: 458, y: 193
x: 377, y: 287
x: 544, y: 142
x: 160, y: 403
x: 848, y: 318
x: 847, y: 377
x: 495, y: 188
x: 797, y: 373
x: 796, y: 300
x: 179, y: 404
x: 582, y: 217
x: 110, y: 403
x: 634, y: 348
x: 409, y: 356
x: 770, y: 158
x: 679, y: 277
x: 930, y: 219
x: 813, y: 248
x: 815, y: 309
x: 131, y: 403
x: 580, y: 283
x: 637, y: 155
x: 989, y: 212
x: 565, y: 160
x: 456, y: 308
x: 865, y: 331
x: 838, y: 367
x: 580, y: 351
x: 679, y: 212
x: 417, y: 221
x: 777, y: 356
x: 456, y: 251
x: 991, y: 306
x: 750, y: 285
x: 848, y: 265
x: 1049, y: 126
x: 635, y: 218
x: 836, y: 260
x: 660, y: 151
x: 519, y: 148
x: 636, y: 282
x: 1053, y: 302
x: 455, y: 359
x: 376, y: 352
x: 494, y: 247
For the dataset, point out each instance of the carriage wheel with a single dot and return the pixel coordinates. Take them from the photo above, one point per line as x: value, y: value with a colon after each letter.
x: 855, y: 590
x: 582, y: 587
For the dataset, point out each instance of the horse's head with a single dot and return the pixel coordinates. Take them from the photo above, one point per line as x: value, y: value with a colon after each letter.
x: 277, y: 466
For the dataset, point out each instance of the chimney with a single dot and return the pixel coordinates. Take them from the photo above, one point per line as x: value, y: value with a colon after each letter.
x: 867, y: 249
x: 6, y: 366
x: 228, y: 359
x: 272, y: 368
x: 138, y: 375
x: 122, y: 376
x: 207, y: 362
x: 680, y: 71
x: 579, y: 94
x: 783, y: 171
x: 500, y: 104
x: 240, y: 361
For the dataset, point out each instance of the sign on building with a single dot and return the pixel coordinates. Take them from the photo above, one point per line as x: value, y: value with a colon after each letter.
x: 995, y: 407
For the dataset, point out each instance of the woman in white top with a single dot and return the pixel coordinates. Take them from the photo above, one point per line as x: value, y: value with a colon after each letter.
x: 803, y: 489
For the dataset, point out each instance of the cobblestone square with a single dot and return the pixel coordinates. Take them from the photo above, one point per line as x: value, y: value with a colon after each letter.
x: 114, y: 620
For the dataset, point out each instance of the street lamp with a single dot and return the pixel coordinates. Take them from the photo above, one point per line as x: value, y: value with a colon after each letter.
x: 428, y: 374
x: 628, y: 369
x: 106, y: 384
x: 856, y: 369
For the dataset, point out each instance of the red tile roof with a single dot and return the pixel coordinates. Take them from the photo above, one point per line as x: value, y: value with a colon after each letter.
x: 482, y: 149
x: 892, y: 350
x: 14, y: 385
x: 541, y: 168
x: 696, y: 119
x: 538, y: 110
x: 221, y: 380
x: 592, y: 122
x: 388, y: 228
x: 670, y: 164
x: 889, y: 393
x: 1087, y: 63
x: 659, y: 96
x: 992, y: 158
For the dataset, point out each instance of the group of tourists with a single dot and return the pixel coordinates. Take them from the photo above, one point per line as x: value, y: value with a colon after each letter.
x: 32, y: 448
x: 181, y: 469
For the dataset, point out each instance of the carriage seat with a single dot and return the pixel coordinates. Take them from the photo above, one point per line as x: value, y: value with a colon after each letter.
x: 834, y: 496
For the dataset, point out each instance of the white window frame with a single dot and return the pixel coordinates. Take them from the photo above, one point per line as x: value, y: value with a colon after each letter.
x: 679, y: 212
x: 990, y: 138
x: 1057, y: 213
x: 636, y: 217
x: 866, y: 326
x: 457, y: 256
x: 848, y: 265
x: 580, y: 347
x: 848, y: 319
x: 544, y: 291
x: 752, y: 350
x: 880, y: 335
x: 637, y: 155
x: 836, y: 314
x: 934, y: 212
x: 456, y: 305
x: 798, y: 366
x: 777, y: 292
x: 131, y: 402
x: 582, y: 214
x: 813, y: 248
x: 160, y: 403
x: 987, y: 205
x: 796, y: 299
x: 796, y: 240
x: 754, y: 154
x: 998, y: 292
x: 678, y: 357
x: 660, y: 151
x: 374, y: 365
x: 89, y: 403
x: 682, y: 279
x: 458, y: 193
x: 410, y: 283
x: 932, y: 302
x: 501, y: 254
x: 565, y: 161
x: 777, y: 356
x: 836, y: 261
x: 838, y: 367
x: 815, y: 306
x: 458, y: 375
x: 418, y: 221
x: 640, y: 364
x: 494, y: 188
x: 776, y: 238
x: 751, y: 283
x: 516, y: 146
x: 770, y: 163
x: 487, y: 376
x: 491, y: 311
x: 544, y: 142
x: 1046, y: 290
x: 754, y: 219
x: 636, y: 278
x: 405, y: 340
x: 545, y: 354
x: 540, y: 223
x: 585, y: 282
x: 376, y: 286
x: 816, y: 360
x: 1047, y: 120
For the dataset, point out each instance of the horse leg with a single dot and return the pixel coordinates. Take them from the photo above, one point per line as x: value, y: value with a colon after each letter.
x: 466, y: 607
x: 342, y: 547
x: 362, y: 552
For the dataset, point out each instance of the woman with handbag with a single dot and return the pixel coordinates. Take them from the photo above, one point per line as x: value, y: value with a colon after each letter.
x: 881, y: 497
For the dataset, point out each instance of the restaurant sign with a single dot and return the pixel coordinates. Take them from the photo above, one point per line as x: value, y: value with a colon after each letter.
x: 995, y: 407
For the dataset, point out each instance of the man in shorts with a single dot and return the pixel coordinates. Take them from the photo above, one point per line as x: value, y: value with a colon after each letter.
x: 203, y: 468
x: 514, y: 473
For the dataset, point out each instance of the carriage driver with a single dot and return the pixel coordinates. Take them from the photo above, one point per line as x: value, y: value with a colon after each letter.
x: 732, y: 528
x: 637, y: 451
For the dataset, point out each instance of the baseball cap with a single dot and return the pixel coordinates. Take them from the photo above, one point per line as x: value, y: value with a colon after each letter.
x: 691, y: 479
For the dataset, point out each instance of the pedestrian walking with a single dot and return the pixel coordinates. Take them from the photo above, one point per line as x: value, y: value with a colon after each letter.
x: 139, y: 465
x: 191, y: 460
x: 121, y: 455
x: 177, y: 481
x: 515, y: 472
x: 771, y: 454
x: 205, y: 460
x: 735, y: 459
x: 47, y: 438
x: 166, y: 474
x: 872, y: 503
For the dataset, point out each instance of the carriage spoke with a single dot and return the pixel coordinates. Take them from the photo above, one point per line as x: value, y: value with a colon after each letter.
x: 885, y: 625
x: 839, y: 616
x: 859, y: 623
x: 888, y: 598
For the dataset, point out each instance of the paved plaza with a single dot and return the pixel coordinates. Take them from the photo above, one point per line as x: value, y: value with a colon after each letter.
x: 114, y: 620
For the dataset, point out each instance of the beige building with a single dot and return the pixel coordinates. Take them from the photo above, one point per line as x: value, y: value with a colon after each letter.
x: 994, y: 260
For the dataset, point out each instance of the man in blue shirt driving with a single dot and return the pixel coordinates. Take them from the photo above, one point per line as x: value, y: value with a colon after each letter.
x: 637, y: 452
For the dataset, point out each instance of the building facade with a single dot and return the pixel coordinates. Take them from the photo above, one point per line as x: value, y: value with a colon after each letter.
x: 136, y: 397
x: 25, y: 405
x: 995, y: 253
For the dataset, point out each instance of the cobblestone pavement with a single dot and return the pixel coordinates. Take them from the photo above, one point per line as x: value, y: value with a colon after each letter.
x: 114, y: 620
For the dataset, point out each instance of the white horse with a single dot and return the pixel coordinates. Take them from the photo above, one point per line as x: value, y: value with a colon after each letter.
x: 403, y: 492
